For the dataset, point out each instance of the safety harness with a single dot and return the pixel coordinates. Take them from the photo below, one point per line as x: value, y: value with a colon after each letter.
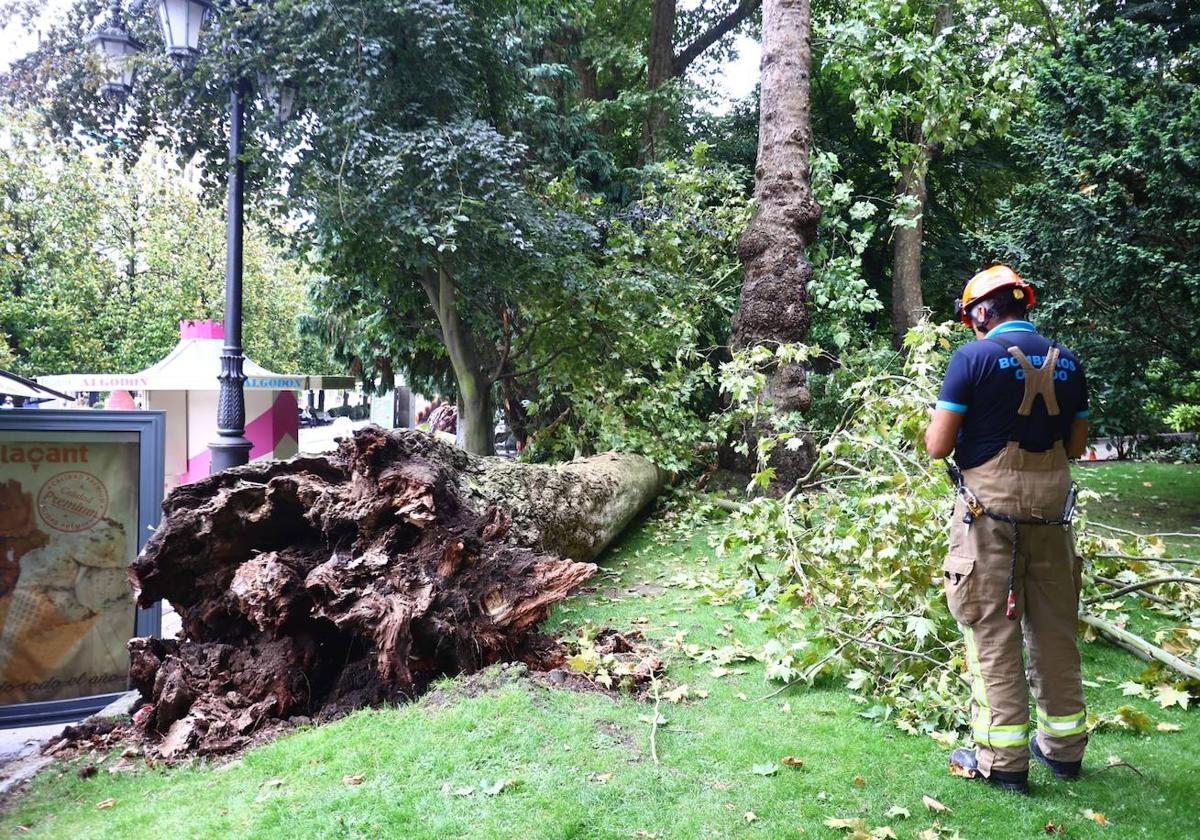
x: 1038, y: 380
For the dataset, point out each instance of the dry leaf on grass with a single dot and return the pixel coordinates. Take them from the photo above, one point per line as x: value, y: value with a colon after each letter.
x: 945, y: 739
x: 354, y: 778
x: 496, y: 787
x: 1052, y: 827
x: 678, y: 694
x: 850, y: 824
x: 105, y: 803
x: 792, y: 761
x: 933, y: 805
x: 939, y: 832
x: 1169, y: 695
x: 858, y: 780
x: 1095, y: 816
x: 272, y: 783
x: 765, y: 769
x: 1168, y: 727
x: 897, y: 811
x: 750, y: 816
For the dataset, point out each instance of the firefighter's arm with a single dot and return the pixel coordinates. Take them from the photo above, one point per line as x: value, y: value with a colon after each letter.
x: 942, y: 432
x: 1077, y: 441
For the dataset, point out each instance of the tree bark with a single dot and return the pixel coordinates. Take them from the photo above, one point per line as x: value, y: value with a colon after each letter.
x: 475, y: 427
x: 663, y: 64
x: 774, y: 302
x: 660, y: 69
x: 907, y: 301
x: 715, y: 33
x: 310, y: 587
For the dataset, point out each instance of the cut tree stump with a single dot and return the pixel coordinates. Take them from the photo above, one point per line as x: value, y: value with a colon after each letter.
x: 317, y: 585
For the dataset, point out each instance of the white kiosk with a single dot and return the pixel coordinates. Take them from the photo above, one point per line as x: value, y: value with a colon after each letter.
x: 184, y: 386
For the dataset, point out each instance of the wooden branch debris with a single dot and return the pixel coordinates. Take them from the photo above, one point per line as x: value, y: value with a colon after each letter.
x: 1142, y: 584
x: 1139, y: 647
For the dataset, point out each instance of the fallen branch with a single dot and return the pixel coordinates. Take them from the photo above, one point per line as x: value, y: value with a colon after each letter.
x: 1139, y: 647
x: 894, y: 649
x: 1149, y: 596
x: 1141, y: 584
x: 1115, y: 529
x: 722, y: 503
x: 809, y: 672
x: 1181, y: 560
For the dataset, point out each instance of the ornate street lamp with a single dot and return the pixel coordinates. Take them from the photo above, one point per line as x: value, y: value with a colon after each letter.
x: 182, y: 21
x: 117, y: 51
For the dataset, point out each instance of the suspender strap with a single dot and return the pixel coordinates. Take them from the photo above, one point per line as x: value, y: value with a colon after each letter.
x: 1038, y: 380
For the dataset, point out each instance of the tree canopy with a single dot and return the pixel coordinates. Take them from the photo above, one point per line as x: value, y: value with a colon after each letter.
x: 519, y: 205
x: 102, y: 261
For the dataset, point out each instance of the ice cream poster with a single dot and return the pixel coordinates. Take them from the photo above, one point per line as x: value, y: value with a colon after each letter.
x: 68, y: 531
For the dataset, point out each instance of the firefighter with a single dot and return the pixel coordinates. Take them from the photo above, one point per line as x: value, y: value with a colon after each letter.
x: 1013, y: 409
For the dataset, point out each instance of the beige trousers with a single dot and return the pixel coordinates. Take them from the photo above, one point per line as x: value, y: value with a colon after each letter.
x: 1047, y: 582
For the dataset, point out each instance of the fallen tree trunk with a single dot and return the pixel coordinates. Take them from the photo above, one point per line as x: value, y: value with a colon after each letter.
x: 1139, y: 647
x: 313, y: 586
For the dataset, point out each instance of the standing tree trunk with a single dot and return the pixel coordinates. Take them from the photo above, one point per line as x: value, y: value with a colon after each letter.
x: 663, y: 64
x: 660, y: 69
x: 774, y: 300
x: 474, y: 386
x: 907, y: 302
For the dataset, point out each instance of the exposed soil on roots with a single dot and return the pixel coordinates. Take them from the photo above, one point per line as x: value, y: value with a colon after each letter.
x: 311, y: 587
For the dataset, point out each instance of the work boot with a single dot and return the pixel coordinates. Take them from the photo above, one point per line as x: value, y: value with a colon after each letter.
x: 1010, y: 781
x: 1065, y: 770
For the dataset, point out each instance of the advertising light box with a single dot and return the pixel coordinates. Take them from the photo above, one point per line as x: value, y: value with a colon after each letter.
x: 80, y: 493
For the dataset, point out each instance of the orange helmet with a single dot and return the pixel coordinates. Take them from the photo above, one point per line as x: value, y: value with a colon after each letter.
x: 988, y: 282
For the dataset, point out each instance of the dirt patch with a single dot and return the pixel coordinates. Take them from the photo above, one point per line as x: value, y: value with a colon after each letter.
x: 468, y: 687
x: 644, y: 590
x: 623, y: 664
x: 618, y: 735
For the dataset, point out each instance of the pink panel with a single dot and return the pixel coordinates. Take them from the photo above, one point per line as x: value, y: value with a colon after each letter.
x: 265, y: 432
x: 201, y: 329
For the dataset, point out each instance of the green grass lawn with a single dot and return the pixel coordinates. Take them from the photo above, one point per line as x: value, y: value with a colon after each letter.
x: 1147, y: 497
x: 582, y: 768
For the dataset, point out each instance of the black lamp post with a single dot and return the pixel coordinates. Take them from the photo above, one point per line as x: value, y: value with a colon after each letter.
x: 182, y: 21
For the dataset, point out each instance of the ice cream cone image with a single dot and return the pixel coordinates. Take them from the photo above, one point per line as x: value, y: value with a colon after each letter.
x: 68, y: 618
x: 38, y: 639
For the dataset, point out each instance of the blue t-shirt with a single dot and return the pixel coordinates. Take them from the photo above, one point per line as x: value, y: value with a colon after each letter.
x: 987, y: 385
